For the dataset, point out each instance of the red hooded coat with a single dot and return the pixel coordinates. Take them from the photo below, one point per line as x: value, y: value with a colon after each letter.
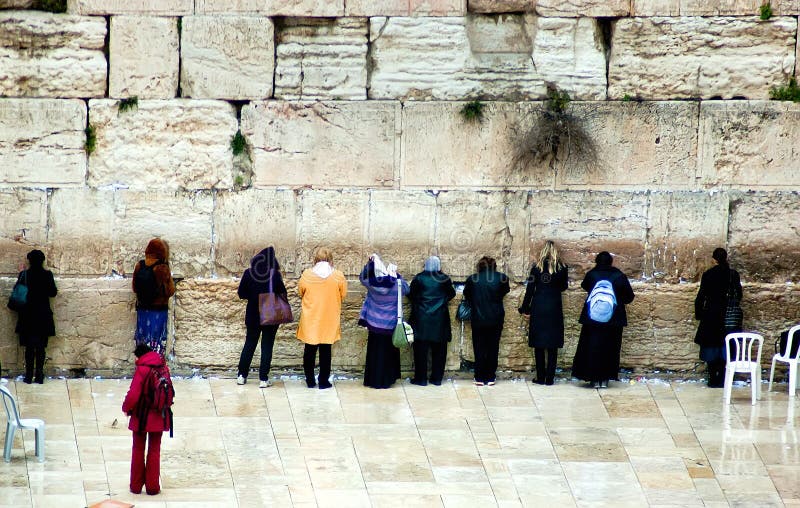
x: 155, y: 421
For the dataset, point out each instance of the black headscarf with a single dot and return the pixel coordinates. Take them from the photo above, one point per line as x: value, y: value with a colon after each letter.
x: 263, y: 263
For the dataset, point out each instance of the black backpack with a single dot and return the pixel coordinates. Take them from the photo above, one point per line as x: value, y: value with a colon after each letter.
x: 146, y: 285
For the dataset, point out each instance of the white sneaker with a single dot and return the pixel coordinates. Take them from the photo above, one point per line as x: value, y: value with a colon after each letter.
x: 265, y: 384
x: 241, y: 380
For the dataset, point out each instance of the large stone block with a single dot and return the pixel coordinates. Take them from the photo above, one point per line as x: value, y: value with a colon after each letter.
x: 143, y: 52
x: 684, y: 228
x: 51, y: 55
x: 437, y: 7
x: 316, y: 8
x: 763, y: 237
x: 81, y: 243
x: 370, y: 8
x: 110, y: 7
x: 711, y: 7
x: 580, y: 8
x: 500, y: 6
x: 585, y: 223
x: 228, y: 57
x: 23, y: 226
x: 11, y: 354
x: 507, y: 57
x: 749, y: 144
x: 183, y: 219
x: 178, y: 144
x: 42, y: 142
x: 770, y: 309
x: 670, y: 58
x: 337, y: 220
x: 471, y: 225
x: 320, y: 59
x: 402, y: 227
x: 323, y: 144
x: 249, y: 221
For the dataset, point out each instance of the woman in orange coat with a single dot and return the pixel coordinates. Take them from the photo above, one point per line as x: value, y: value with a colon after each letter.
x: 153, y: 285
x: 322, y: 290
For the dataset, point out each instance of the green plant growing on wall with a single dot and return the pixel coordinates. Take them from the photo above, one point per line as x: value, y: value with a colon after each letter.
x: 238, y: 143
x: 128, y: 104
x: 790, y: 92
x: 765, y: 11
x: 238, y: 181
x: 91, y: 139
x: 627, y: 97
x: 473, y: 111
x: 57, y: 6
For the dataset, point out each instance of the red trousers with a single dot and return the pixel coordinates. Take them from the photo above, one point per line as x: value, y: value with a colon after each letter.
x: 148, y: 474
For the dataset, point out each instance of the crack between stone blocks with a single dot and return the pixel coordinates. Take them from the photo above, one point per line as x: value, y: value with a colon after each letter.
x: 213, y: 249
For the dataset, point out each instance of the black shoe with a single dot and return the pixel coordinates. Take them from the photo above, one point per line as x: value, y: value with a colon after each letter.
x: 418, y: 382
x: 40, y: 380
x: 27, y: 380
x: 311, y: 383
x: 324, y: 385
x: 435, y: 383
x: 549, y: 382
x: 538, y: 381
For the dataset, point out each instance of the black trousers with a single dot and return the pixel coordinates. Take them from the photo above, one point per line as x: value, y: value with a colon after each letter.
x: 438, y: 352
x: 267, y: 334
x: 309, y: 357
x: 545, y: 369
x: 716, y: 374
x: 486, y: 345
x: 34, y: 354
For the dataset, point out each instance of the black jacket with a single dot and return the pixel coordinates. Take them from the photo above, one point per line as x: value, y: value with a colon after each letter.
x: 35, y: 322
x: 543, y: 302
x: 485, y: 291
x: 256, y: 280
x: 711, y: 302
x: 430, y: 317
x: 622, y: 290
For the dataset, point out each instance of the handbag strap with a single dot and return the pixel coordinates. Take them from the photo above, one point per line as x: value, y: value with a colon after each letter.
x: 399, y: 299
x: 270, y: 279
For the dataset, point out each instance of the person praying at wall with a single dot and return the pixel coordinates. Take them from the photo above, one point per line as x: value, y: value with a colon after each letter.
x: 153, y: 285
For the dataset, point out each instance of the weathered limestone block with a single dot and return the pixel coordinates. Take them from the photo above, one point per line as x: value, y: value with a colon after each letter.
x: 437, y: 7
x: 163, y: 144
x: 322, y: 144
x: 143, y: 52
x: 763, y: 240
x: 500, y: 6
x: 666, y: 58
x: 152, y: 7
x: 316, y: 8
x: 402, y: 228
x: 228, y: 57
x: 770, y: 309
x: 23, y: 226
x: 320, y: 59
x: 711, y: 7
x: 11, y: 354
x: 749, y: 144
x: 249, y: 221
x: 656, y: 8
x: 684, y: 228
x: 337, y: 220
x: 81, y: 243
x: 183, y: 219
x: 51, y: 55
x: 508, y: 57
x: 42, y: 142
x: 16, y: 4
x: 371, y: 8
x: 580, y: 8
x: 584, y: 223
x: 496, y: 225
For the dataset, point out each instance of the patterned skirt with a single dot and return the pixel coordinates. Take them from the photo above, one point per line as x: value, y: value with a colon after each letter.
x: 151, y: 329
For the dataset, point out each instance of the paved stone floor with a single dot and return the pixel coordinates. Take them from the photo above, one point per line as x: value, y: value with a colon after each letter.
x: 646, y: 443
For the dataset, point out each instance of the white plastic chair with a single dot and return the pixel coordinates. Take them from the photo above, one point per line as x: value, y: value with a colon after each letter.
x: 786, y: 358
x: 15, y: 422
x: 739, y: 353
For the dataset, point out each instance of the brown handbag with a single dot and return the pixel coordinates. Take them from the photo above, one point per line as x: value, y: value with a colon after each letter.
x: 273, y: 308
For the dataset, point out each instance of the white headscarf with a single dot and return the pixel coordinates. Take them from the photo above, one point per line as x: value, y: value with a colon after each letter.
x: 382, y: 270
x: 323, y: 269
x: 433, y: 264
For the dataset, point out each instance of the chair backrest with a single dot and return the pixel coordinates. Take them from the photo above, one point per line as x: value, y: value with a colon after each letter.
x: 789, y: 341
x: 739, y: 349
x: 10, y: 405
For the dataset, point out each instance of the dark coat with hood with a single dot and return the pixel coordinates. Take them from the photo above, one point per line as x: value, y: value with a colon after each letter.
x: 543, y: 303
x: 130, y: 406
x: 622, y: 290
x: 157, y: 255
x: 35, y: 323
x: 430, y: 316
x: 711, y: 302
x: 264, y: 272
x: 485, y: 291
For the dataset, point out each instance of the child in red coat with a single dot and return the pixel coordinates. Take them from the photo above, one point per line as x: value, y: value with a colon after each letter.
x: 146, y: 431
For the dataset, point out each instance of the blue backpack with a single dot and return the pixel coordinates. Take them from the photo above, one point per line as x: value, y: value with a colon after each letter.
x: 602, y: 301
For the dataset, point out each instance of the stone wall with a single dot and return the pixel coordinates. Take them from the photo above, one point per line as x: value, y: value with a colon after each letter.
x: 355, y: 139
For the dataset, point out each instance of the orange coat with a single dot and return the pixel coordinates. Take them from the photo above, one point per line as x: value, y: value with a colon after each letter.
x: 321, y: 309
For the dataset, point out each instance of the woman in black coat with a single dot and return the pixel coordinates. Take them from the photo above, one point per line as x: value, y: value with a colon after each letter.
x: 716, y: 285
x: 263, y: 276
x: 430, y: 317
x: 597, y: 357
x: 542, y: 305
x: 484, y: 291
x: 35, y: 324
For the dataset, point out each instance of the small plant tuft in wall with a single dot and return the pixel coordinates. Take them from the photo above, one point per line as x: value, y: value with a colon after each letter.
x: 238, y: 143
x: 765, y: 11
x: 91, y: 140
x: 128, y: 104
x: 473, y: 111
x: 790, y: 92
x: 56, y: 6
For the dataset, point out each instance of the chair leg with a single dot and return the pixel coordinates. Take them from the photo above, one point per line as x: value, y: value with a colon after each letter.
x: 753, y: 386
x: 40, y: 444
x: 771, y: 374
x: 728, y: 385
x: 792, y: 378
x: 10, y: 430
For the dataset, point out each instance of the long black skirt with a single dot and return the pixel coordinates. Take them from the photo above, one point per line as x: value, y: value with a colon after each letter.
x: 597, y: 356
x: 382, y: 367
